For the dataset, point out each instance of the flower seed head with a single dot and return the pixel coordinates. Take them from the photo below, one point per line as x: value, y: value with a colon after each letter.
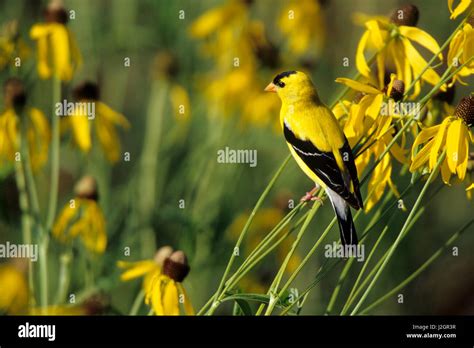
x: 56, y: 13
x: 405, y: 15
x: 166, y: 65
x: 176, y: 266
x: 14, y: 93
x: 86, y: 188
x: 398, y: 88
x: 87, y: 90
x: 465, y: 110
x: 447, y: 96
x: 162, y: 254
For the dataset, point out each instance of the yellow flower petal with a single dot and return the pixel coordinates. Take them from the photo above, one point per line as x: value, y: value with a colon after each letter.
x: 375, y: 34
x: 171, y: 298
x: 463, y: 152
x: 462, y: 6
x: 81, y: 131
x: 358, y: 86
x: 136, y: 269
x: 361, y: 63
x: 418, y: 63
x: 188, y: 307
x: 374, y: 109
x: 453, y: 142
x: 468, y: 50
x: 422, y: 156
x: 425, y: 135
x: 439, y: 140
x: 421, y: 37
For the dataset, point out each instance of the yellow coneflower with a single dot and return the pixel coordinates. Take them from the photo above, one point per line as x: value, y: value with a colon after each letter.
x: 392, y: 38
x: 461, y: 50
x: 165, y: 292
x: 303, y: 23
x: 238, y: 46
x: 462, y: 6
x: 11, y: 45
x: 365, y: 118
x: 452, y: 136
x: 166, y: 69
x: 37, y: 129
x: 82, y: 218
x: 148, y: 269
x: 58, y: 53
x: 13, y: 287
x: 105, y: 119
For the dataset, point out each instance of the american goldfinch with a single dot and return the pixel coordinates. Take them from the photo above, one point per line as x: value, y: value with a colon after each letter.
x: 319, y: 146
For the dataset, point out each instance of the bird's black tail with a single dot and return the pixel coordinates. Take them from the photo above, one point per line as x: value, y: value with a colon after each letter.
x: 344, y: 218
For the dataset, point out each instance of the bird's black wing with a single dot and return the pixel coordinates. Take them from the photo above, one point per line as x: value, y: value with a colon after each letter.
x: 324, y: 165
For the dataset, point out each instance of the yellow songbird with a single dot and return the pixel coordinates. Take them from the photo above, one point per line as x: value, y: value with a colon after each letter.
x: 319, y: 146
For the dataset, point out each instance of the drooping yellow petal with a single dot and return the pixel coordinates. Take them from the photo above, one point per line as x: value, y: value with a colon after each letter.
x: 358, y: 86
x: 188, y: 307
x: 375, y: 34
x: 453, y: 142
x: 136, y: 269
x: 61, y: 53
x: 421, y: 37
x: 463, y: 152
x: 462, y: 6
x: 155, y: 295
x: 81, y: 131
x: 64, y: 221
x: 374, y: 109
x: 104, y: 111
x: 439, y: 140
x: 418, y: 63
x: 422, y: 156
x: 468, y: 49
x: 445, y: 172
x: 425, y: 135
x: 361, y: 62
x: 171, y: 298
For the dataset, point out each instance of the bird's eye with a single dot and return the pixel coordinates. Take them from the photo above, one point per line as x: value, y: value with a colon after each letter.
x: 280, y: 84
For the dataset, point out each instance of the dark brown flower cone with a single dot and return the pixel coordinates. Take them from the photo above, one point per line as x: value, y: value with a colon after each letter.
x: 176, y: 266
x: 86, y: 188
x: 14, y: 93
x: 405, y: 15
x: 465, y: 110
x: 56, y: 13
x: 86, y: 90
x: 398, y: 88
x: 446, y: 96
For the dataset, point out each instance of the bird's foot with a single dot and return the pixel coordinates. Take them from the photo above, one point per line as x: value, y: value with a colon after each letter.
x: 309, y: 196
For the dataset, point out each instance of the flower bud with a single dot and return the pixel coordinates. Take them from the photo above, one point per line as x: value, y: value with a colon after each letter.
x: 86, y: 90
x: 405, y: 15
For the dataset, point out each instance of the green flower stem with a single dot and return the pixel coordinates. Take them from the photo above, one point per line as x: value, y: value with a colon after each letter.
x: 415, y: 274
x: 53, y: 193
x: 255, y: 259
x: 274, y: 288
x: 26, y: 224
x: 64, y: 276
x: 400, y: 235
x: 375, y: 269
x: 137, y: 302
x: 245, y: 230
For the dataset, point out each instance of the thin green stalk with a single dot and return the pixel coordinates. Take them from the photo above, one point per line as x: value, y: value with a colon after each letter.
x: 26, y: 224
x: 400, y: 235
x: 64, y: 276
x: 137, y: 302
x: 245, y: 230
x: 279, y: 276
x: 420, y: 269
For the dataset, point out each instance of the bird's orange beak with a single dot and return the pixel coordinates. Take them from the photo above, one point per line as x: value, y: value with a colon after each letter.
x: 271, y: 88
